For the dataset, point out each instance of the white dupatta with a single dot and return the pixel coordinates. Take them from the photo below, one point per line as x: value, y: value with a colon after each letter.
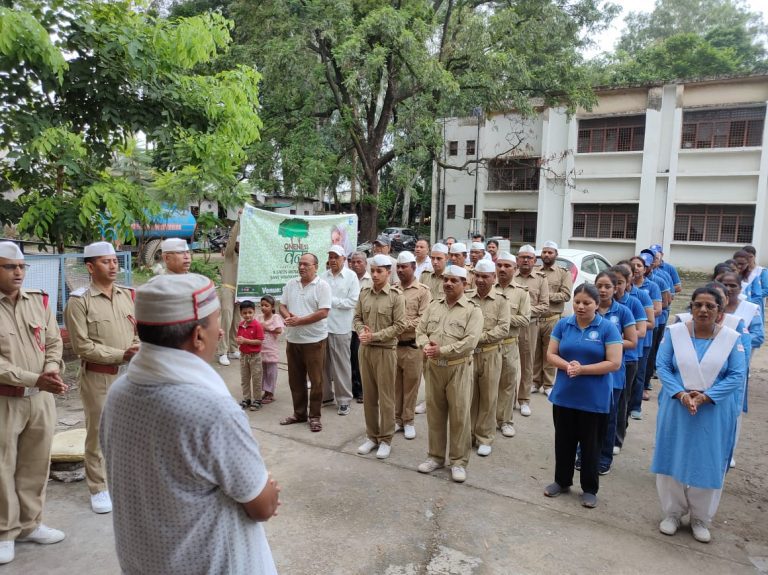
x: 700, y: 376
x: 729, y: 319
x: 747, y: 311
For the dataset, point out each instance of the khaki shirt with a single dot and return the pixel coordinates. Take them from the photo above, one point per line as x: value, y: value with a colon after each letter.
x: 538, y: 291
x: 417, y: 297
x: 384, y: 314
x: 519, y: 307
x: 456, y: 329
x: 560, y: 287
x: 495, y: 308
x: 231, y: 259
x: 434, y: 282
x: 30, y: 342
x: 100, y: 328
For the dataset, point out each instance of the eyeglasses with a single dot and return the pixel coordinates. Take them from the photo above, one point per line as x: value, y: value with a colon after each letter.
x: 14, y: 267
x: 704, y: 305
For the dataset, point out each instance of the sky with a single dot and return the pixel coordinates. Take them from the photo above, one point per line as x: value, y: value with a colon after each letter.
x: 609, y: 37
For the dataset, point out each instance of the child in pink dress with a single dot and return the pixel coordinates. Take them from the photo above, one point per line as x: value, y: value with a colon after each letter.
x: 270, y: 348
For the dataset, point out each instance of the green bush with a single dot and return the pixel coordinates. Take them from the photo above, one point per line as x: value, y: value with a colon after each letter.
x: 209, y: 269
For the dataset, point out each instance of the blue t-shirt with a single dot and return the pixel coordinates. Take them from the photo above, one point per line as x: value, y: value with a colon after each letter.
x: 672, y: 271
x: 621, y: 317
x: 592, y: 393
x: 638, y: 312
x: 645, y: 299
x: 665, y: 285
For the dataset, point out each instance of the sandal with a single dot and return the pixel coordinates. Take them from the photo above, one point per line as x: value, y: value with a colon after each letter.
x: 315, y: 425
x: 291, y: 419
x: 268, y: 398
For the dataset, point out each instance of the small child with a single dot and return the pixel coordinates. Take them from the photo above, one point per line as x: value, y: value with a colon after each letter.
x: 250, y: 335
x: 270, y: 350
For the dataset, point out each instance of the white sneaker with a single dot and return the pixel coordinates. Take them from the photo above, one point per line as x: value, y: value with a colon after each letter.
x: 234, y: 355
x: 409, y: 431
x: 507, y: 430
x: 458, y: 474
x: 534, y: 389
x: 484, y: 450
x: 547, y: 391
x: 43, y: 535
x: 7, y: 552
x: 429, y: 466
x: 224, y: 360
x: 421, y: 408
x: 383, y: 451
x: 700, y: 531
x: 366, y: 447
x: 398, y: 427
x: 733, y: 463
x: 525, y: 410
x: 616, y: 449
x: 669, y: 525
x: 101, y: 502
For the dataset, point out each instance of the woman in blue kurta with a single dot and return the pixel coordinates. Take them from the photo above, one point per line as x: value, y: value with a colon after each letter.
x: 701, y: 367
x: 585, y: 348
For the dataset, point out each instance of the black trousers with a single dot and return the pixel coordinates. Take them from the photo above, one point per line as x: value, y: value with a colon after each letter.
x: 623, y: 415
x: 357, y: 382
x: 574, y: 427
x: 650, y: 371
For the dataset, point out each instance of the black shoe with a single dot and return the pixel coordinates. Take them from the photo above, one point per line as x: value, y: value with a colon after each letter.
x: 604, y: 470
x: 255, y: 405
x: 245, y: 404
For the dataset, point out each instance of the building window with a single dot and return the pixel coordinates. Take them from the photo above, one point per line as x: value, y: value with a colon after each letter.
x: 453, y: 148
x: 468, y: 211
x: 451, y: 212
x: 621, y: 134
x: 513, y: 174
x: 293, y: 212
x: 734, y: 128
x: 518, y: 227
x: 471, y: 147
x: 610, y: 221
x: 701, y: 223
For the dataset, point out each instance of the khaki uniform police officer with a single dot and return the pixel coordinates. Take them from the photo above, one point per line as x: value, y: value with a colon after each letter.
x: 448, y: 333
x: 230, y: 310
x: 176, y: 256
x: 434, y: 279
x: 495, y: 307
x: 458, y: 253
x: 102, y: 330
x: 30, y: 373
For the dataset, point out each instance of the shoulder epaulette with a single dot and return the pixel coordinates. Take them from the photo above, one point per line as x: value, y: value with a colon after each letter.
x: 79, y: 292
x: 397, y: 289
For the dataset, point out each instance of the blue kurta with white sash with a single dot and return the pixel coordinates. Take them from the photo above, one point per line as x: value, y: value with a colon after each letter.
x: 696, y: 449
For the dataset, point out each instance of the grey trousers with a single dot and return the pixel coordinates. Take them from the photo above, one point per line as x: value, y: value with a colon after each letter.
x: 337, y: 376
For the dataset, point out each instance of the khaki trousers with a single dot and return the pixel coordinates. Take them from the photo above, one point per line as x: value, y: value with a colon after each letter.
x: 543, y: 372
x: 250, y: 375
x: 527, y: 339
x: 26, y: 433
x: 337, y: 376
x: 230, y: 317
x: 377, y: 369
x: 93, y: 393
x: 306, y: 360
x: 485, y: 392
x: 410, y: 366
x: 508, y: 383
x: 449, y: 398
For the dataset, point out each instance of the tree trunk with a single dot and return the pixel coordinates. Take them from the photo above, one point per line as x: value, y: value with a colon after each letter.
x: 369, y: 209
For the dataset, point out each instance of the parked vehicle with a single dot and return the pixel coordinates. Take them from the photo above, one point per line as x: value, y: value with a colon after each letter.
x: 401, y: 238
x: 172, y: 223
x: 582, y: 265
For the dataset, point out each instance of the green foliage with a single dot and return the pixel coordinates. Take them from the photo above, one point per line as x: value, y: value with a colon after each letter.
x: 208, y: 269
x: 69, y: 125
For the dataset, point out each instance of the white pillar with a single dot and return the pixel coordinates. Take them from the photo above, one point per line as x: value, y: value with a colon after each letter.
x: 759, y: 234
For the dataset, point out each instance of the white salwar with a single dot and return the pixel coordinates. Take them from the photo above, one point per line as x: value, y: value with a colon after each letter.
x: 677, y: 500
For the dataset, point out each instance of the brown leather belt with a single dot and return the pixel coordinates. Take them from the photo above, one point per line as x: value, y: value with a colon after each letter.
x: 101, y: 368
x: 450, y: 362
x: 512, y: 339
x: 486, y: 348
x: 17, y: 391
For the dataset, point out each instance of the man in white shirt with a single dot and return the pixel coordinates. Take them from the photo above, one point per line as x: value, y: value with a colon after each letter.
x: 423, y: 263
x: 305, y: 304
x: 345, y: 290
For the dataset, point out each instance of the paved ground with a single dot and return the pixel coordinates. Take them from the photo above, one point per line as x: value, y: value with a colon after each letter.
x: 343, y: 513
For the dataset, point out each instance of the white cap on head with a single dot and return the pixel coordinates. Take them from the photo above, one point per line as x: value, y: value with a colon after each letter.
x: 98, y: 249
x: 505, y: 257
x: 381, y: 260
x: 440, y: 248
x: 459, y: 248
x: 477, y: 246
x: 455, y: 271
x: 526, y: 249
x: 485, y: 267
x: 10, y: 251
x: 338, y: 250
x: 174, y: 245
x: 549, y: 244
x: 175, y: 298
x: 406, y: 258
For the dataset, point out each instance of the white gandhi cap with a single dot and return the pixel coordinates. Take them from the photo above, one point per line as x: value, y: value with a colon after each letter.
x: 406, y: 258
x: 337, y: 250
x: 458, y: 248
x: 174, y: 245
x: 478, y: 246
x: 381, y: 260
x: 10, y: 251
x: 440, y: 248
x: 485, y: 267
x: 98, y: 249
x: 549, y: 244
x: 526, y: 249
x: 175, y: 298
x: 505, y: 257
x: 455, y: 271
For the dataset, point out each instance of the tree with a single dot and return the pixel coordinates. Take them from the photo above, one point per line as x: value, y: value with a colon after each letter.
x: 81, y: 78
x: 351, y: 87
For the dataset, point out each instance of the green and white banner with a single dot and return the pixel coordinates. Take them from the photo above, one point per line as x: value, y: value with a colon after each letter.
x: 271, y: 245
